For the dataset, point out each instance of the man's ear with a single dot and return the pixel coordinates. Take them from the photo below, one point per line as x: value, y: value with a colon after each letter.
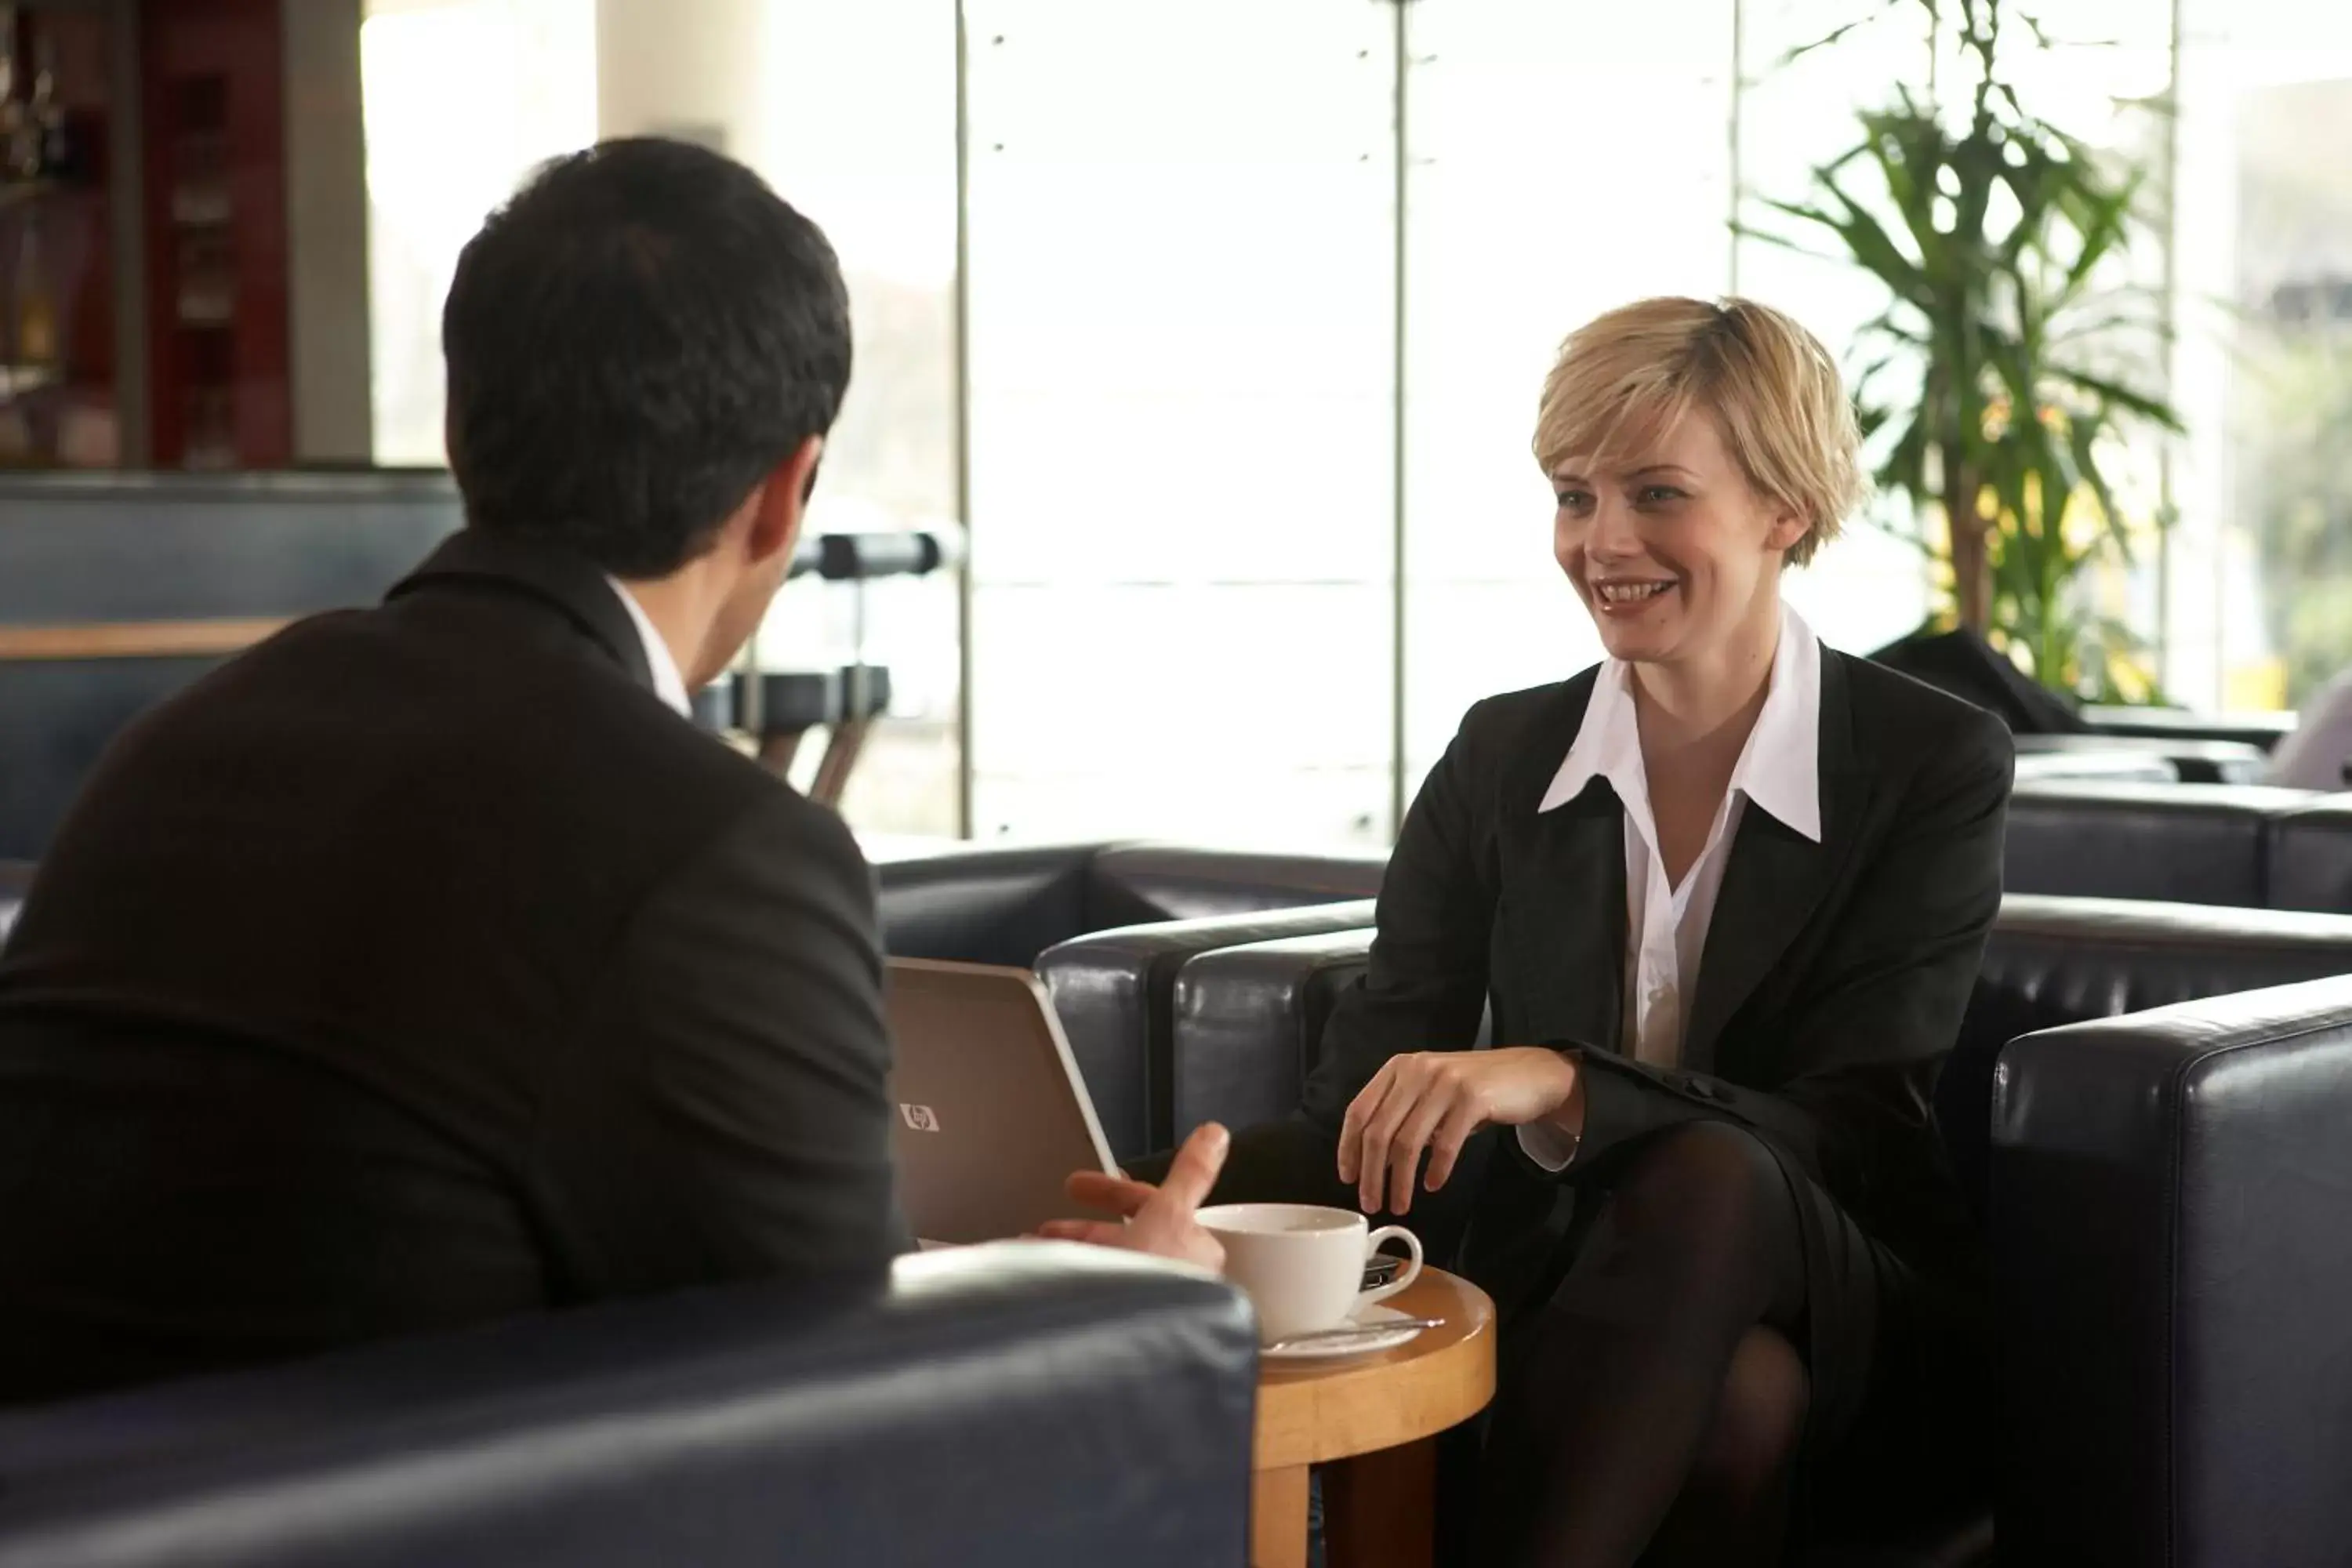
x: 783, y: 502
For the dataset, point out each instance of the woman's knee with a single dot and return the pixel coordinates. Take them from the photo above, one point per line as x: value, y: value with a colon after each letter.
x: 1712, y: 1186
x: 1760, y: 1417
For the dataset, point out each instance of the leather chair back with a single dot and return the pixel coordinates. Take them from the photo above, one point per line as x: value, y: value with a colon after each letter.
x: 1020, y: 1404
x: 983, y: 904
x: 1007, y: 906
x: 2311, y: 857
x: 2185, y: 760
x: 2190, y: 844
x: 1131, y: 884
x: 2053, y: 962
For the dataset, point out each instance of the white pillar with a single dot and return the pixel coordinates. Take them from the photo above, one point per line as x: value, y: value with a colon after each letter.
x: 687, y: 68
x: 327, y: 233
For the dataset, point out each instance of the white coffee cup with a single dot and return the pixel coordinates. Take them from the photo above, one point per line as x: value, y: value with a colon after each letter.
x: 1302, y: 1264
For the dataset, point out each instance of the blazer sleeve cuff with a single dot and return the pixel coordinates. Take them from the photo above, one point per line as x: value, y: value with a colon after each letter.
x: 1622, y: 1103
x: 1551, y: 1149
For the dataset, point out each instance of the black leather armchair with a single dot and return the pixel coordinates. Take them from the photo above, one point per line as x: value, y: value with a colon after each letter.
x: 1021, y: 1404
x: 2199, y: 844
x: 1108, y: 928
x: 985, y: 904
x: 2175, y: 1284
x: 1115, y: 992
x: 2164, y: 1189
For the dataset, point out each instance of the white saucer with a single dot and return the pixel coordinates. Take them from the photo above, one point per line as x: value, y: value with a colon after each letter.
x: 1363, y: 1345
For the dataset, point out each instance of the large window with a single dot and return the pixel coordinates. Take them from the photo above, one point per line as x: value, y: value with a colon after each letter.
x: 2262, y: 585
x: 1257, y: 299
x: 850, y: 111
x: 1797, y: 110
x: 1529, y: 212
x: 1180, y: 402
x: 462, y: 98
x: 857, y: 128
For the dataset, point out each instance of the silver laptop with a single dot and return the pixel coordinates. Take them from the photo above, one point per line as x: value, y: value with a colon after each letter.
x: 992, y: 1116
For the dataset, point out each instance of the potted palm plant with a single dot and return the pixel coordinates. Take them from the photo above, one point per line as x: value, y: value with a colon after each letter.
x: 2012, y: 362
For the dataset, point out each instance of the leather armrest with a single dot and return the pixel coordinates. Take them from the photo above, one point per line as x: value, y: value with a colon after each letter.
x: 1249, y: 1023
x: 2173, y: 1286
x: 1021, y: 1402
x: 1114, y: 991
x: 991, y: 905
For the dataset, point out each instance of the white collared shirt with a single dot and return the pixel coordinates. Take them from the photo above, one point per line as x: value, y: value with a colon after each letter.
x: 668, y: 684
x: 1778, y: 771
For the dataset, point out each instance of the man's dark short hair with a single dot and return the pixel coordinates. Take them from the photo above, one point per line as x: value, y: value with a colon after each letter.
x: 635, y: 342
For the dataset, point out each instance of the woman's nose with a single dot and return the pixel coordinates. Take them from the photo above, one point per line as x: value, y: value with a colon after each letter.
x: 1612, y: 536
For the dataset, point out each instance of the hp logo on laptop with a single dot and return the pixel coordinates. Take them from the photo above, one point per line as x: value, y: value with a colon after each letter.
x: 921, y: 1118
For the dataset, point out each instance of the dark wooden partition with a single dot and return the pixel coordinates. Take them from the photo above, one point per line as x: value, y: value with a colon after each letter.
x: 118, y: 589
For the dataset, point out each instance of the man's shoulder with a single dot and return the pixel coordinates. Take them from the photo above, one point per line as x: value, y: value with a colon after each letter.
x: 514, y: 751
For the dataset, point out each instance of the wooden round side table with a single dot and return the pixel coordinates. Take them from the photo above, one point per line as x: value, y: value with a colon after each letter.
x: 1378, y: 1414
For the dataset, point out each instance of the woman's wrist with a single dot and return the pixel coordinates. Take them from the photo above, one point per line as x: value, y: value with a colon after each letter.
x: 1568, y: 1118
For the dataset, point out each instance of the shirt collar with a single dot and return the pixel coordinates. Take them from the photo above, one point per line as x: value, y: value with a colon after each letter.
x: 668, y: 684
x: 1779, y: 769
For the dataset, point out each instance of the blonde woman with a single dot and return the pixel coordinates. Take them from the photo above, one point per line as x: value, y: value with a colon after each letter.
x: 1725, y: 895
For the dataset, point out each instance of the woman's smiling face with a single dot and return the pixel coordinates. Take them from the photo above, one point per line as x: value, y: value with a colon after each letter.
x: 1667, y: 543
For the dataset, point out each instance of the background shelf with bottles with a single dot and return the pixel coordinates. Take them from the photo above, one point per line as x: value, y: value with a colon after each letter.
x: 143, y: 235
x: 59, y: 402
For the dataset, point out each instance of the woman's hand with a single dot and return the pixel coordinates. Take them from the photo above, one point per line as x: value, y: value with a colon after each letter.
x: 1435, y: 1100
x: 1162, y: 1220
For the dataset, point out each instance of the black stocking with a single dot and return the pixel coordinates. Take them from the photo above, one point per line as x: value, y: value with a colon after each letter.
x: 1657, y: 1412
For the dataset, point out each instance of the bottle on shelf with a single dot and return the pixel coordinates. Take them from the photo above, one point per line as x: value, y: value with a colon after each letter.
x: 19, y: 142
x: 52, y: 148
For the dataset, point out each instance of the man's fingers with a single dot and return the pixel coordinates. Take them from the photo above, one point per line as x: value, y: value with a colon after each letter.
x: 1445, y: 1147
x: 1114, y: 1195
x: 1194, y: 1171
x: 1094, y: 1231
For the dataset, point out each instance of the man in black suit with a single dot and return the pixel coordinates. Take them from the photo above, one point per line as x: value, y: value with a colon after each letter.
x: 426, y: 964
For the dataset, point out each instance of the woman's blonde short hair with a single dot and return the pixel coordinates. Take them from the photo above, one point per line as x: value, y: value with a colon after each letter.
x: 1625, y: 378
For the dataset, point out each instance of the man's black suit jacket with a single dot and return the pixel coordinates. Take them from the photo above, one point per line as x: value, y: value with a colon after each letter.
x: 421, y: 967
x: 1831, y: 987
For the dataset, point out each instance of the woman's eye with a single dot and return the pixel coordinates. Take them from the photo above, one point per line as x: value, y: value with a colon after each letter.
x: 1657, y: 495
x: 1576, y: 501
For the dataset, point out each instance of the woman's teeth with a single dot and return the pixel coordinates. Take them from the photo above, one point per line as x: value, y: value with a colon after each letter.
x: 1632, y: 593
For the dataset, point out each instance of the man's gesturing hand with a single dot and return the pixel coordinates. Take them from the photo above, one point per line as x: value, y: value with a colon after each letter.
x: 1159, y: 1220
x: 1435, y: 1100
